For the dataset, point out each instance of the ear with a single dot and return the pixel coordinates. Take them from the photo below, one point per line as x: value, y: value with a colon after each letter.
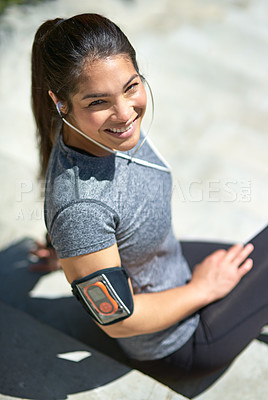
x: 56, y: 100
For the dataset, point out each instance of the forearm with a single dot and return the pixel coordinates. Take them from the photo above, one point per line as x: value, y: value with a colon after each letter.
x: 157, y: 311
x: 212, y: 279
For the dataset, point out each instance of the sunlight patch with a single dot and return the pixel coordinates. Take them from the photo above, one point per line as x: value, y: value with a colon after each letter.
x: 75, y: 356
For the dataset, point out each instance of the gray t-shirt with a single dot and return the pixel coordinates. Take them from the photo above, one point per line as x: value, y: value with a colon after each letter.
x: 93, y: 202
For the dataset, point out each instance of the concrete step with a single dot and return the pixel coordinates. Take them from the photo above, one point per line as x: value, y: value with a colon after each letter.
x: 39, y: 362
x: 47, y: 298
x: 42, y: 326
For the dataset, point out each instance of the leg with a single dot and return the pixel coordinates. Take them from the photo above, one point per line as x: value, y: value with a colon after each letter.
x: 177, y: 365
x: 228, y: 325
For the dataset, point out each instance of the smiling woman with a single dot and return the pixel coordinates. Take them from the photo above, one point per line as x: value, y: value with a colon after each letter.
x: 65, y: 64
x: 108, y: 107
x: 108, y: 214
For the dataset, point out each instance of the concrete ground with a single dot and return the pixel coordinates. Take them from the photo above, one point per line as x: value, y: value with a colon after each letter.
x: 207, y: 64
x: 43, y: 364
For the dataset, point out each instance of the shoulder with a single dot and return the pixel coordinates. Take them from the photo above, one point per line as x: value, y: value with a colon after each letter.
x: 79, y: 212
x: 82, y: 227
x: 75, y: 177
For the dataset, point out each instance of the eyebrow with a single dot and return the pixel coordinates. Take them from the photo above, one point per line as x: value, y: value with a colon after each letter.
x: 94, y: 95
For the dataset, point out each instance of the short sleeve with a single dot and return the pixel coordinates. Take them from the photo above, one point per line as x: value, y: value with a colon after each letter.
x: 83, y: 227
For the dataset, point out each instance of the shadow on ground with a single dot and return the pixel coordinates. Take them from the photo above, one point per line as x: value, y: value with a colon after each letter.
x: 64, y: 314
x: 30, y: 367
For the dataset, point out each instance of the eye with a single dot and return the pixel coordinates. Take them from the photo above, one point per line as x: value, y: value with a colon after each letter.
x: 96, y: 103
x: 132, y: 86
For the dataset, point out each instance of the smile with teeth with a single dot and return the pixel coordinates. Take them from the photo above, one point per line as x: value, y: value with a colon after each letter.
x: 122, y: 130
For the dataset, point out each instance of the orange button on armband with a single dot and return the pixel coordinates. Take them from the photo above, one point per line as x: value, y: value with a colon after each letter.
x: 106, y: 307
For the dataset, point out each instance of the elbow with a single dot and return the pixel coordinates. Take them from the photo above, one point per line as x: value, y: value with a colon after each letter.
x: 114, y: 334
x: 119, y: 330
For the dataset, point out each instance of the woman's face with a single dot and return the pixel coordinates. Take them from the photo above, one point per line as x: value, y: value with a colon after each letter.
x: 108, y: 107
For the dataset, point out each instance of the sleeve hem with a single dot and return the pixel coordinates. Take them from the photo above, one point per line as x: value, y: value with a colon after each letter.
x: 85, y: 250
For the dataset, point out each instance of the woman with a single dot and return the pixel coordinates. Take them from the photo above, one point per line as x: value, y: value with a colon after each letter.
x: 107, y: 206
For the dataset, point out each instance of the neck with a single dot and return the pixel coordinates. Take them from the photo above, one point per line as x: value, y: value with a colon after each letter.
x: 75, y: 139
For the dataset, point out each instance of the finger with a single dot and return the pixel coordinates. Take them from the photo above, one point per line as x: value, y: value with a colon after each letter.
x: 40, y: 245
x: 39, y: 267
x: 217, y: 254
x: 243, y: 254
x: 44, y: 267
x: 245, y: 267
x: 37, y: 246
x: 233, y: 251
x: 41, y: 253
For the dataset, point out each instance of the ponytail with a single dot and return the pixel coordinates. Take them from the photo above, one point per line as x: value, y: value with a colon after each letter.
x: 42, y: 104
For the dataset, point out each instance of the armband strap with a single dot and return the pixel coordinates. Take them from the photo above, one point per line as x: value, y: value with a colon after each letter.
x: 105, y: 295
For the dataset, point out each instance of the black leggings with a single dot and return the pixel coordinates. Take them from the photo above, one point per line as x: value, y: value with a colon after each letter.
x: 226, y: 326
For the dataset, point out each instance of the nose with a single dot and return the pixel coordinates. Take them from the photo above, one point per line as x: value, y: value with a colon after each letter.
x: 122, y: 110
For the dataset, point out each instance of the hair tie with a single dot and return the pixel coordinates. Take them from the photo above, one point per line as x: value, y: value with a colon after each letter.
x: 60, y: 21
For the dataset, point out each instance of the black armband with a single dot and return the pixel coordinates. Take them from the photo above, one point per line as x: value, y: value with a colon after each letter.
x: 105, y: 295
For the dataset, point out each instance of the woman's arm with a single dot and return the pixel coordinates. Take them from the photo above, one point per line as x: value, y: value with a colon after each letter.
x: 212, y: 279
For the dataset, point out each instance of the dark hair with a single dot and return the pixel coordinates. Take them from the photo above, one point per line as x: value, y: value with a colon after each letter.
x: 61, y: 48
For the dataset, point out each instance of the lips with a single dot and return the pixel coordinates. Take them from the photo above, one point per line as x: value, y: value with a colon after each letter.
x: 123, y: 132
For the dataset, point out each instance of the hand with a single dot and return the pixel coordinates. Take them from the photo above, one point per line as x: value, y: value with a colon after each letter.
x: 48, y: 259
x: 221, y: 271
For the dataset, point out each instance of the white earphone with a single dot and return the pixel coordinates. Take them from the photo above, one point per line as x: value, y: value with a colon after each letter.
x: 58, y: 106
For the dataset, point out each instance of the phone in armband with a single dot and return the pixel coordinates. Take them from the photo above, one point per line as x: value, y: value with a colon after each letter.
x: 102, y: 298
